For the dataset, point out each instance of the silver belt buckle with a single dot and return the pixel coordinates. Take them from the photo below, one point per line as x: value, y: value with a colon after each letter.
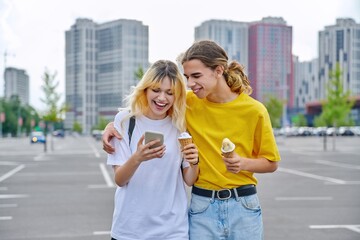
x: 217, y: 194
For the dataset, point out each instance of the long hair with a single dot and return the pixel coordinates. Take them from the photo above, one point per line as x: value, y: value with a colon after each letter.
x: 153, y: 77
x: 212, y: 56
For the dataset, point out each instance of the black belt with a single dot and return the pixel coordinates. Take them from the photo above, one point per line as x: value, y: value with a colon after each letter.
x: 224, y: 194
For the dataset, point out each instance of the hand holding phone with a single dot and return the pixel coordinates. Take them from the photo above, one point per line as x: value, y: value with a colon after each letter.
x: 151, y: 136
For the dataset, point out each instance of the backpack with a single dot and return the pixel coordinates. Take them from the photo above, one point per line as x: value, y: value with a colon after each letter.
x: 131, y: 127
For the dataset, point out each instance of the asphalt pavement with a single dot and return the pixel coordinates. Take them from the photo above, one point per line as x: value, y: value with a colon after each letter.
x: 67, y: 192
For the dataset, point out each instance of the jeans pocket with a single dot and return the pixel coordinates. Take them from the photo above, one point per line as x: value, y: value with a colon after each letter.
x: 251, y: 202
x: 199, y: 204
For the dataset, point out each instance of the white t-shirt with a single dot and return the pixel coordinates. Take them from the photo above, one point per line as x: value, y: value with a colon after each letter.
x: 153, y: 205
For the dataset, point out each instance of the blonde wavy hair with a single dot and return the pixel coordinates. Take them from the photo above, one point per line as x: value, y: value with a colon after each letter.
x: 137, y: 102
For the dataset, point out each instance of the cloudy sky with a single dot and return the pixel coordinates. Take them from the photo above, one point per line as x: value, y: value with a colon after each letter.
x: 32, y: 32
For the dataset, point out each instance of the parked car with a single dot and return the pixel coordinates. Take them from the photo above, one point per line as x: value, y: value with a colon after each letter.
x: 97, y: 134
x: 346, y: 131
x: 37, y: 137
x: 59, y: 133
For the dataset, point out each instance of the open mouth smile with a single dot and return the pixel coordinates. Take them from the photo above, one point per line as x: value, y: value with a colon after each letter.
x: 160, y: 105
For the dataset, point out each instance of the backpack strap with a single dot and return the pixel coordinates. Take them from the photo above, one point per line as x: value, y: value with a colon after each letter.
x: 131, y: 127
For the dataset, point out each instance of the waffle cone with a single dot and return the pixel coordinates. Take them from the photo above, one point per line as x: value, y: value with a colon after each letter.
x: 228, y: 154
x: 185, y: 141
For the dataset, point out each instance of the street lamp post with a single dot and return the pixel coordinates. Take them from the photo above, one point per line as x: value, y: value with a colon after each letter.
x: 282, y: 91
x: 18, y: 122
x: 2, y: 113
x: 2, y: 119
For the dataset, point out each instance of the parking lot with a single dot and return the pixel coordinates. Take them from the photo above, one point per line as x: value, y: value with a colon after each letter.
x: 67, y: 192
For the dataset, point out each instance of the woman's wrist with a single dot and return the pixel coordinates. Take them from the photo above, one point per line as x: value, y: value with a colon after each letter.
x: 197, y: 162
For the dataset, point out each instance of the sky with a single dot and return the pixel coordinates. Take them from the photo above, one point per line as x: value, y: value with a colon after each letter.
x: 32, y: 32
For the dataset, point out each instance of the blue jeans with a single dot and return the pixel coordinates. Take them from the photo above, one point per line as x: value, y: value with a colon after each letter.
x: 237, y: 218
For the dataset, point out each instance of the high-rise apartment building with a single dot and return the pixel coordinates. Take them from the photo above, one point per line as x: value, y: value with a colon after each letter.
x: 306, y: 84
x: 270, y: 59
x: 101, y: 61
x: 340, y: 44
x: 231, y: 35
x: 16, y: 83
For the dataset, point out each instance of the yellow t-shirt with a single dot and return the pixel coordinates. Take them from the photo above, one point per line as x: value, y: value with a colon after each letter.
x: 245, y: 121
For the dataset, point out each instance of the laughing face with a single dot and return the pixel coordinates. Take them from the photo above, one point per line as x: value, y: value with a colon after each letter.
x: 160, y: 99
x: 201, y: 79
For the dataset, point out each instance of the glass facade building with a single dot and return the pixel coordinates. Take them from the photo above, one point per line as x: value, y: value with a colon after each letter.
x: 232, y: 36
x: 16, y: 83
x: 340, y: 44
x: 101, y: 61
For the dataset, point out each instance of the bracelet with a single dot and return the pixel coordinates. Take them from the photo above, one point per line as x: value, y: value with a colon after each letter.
x: 196, y: 162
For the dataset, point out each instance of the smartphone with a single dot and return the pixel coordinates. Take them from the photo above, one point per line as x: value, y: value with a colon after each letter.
x: 151, y: 136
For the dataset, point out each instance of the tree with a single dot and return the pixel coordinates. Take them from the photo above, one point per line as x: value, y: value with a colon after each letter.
x: 139, y: 73
x: 275, y: 109
x: 101, y: 123
x: 338, y: 104
x: 12, y: 110
x: 300, y: 120
x: 77, y: 127
x: 30, y: 118
x: 53, y: 112
x: 337, y: 107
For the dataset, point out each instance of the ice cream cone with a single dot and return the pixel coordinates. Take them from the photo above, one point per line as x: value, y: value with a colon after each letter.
x: 227, y: 148
x: 228, y: 154
x: 184, y: 139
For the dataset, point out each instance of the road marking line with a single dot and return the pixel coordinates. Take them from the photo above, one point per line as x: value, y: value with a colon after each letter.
x: 7, y: 196
x: 101, y: 233
x: 355, y: 228
x: 108, y: 180
x: 5, y: 218
x: 12, y: 172
x: 309, y: 175
x: 335, y: 164
x: 39, y: 157
x: 8, y: 205
x: 346, y: 182
x: 99, y: 186
x: 303, y: 198
x: 8, y: 163
x: 96, y: 152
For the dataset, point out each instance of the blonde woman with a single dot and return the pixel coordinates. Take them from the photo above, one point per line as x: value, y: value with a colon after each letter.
x: 151, y: 200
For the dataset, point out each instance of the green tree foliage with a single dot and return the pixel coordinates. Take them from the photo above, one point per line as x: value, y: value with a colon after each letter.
x: 319, y: 121
x: 53, y: 112
x: 337, y: 106
x: 275, y: 109
x: 30, y: 118
x: 139, y: 73
x: 102, y: 122
x: 300, y: 120
x: 13, y: 110
x: 77, y: 127
x: 10, y: 108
